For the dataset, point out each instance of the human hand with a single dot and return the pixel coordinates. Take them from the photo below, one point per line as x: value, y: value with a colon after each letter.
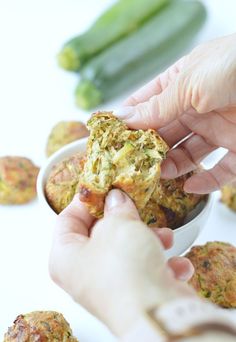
x: 195, y: 99
x: 115, y: 267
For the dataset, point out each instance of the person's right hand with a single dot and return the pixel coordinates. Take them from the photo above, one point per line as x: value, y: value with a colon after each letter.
x: 195, y: 99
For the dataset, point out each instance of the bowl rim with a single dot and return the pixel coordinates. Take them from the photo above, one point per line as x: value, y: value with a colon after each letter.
x: 64, y: 153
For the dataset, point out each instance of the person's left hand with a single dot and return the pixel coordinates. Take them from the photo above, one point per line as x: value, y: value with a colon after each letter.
x: 115, y: 267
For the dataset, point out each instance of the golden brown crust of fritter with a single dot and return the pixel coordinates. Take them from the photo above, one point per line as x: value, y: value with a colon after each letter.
x: 17, y: 180
x: 170, y: 204
x: 64, y: 133
x: 175, y: 202
x: 215, y: 272
x: 87, y: 196
x: 118, y: 157
x: 40, y: 326
x: 154, y: 215
x: 228, y: 196
x: 62, y: 182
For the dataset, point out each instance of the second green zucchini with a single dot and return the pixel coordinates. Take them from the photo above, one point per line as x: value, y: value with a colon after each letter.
x: 141, y: 54
x: 115, y: 23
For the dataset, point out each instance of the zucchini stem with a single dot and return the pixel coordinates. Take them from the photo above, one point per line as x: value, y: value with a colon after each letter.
x: 68, y: 59
x: 87, y: 95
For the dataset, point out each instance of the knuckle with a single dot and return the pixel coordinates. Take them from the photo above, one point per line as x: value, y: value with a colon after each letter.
x: 132, y: 100
x: 199, y: 101
x: 201, y: 106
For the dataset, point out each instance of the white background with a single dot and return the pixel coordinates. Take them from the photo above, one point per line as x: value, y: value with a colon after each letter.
x: 34, y: 95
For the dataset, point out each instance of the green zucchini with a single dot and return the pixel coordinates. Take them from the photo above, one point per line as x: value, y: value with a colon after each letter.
x: 142, y: 54
x: 118, y: 21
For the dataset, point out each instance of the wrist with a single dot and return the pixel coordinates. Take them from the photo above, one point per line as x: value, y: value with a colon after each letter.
x: 181, y: 319
x: 126, y: 312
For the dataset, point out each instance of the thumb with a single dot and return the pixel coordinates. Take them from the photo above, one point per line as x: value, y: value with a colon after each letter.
x: 159, y: 109
x: 119, y: 204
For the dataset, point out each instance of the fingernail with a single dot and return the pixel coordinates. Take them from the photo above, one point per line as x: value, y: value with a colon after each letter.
x: 188, y: 189
x: 114, y: 199
x: 168, y: 169
x: 185, y: 276
x: 187, y: 271
x: 124, y: 112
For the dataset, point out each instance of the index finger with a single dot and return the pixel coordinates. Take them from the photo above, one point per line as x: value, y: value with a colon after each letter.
x: 155, y: 86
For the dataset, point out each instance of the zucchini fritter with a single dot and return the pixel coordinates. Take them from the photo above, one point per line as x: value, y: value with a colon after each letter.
x: 154, y: 215
x: 64, y: 133
x: 118, y: 157
x: 62, y: 182
x: 173, y: 202
x: 215, y: 272
x: 228, y: 195
x: 44, y: 326
x: 17, y: 180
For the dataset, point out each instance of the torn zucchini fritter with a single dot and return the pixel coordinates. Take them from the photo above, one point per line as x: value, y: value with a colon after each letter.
x: 118, y: 157
x: 18, y: 177
x: 126, y: 159
x: 168, y: 206
x: 40, y: 326
x: 215, y: 272
x: 62, y: 182
x: 228, y: 195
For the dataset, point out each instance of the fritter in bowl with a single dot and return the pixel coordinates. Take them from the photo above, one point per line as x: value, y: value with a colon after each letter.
x: 62, y: 182
x: 228, y: 195
x: 174, y: 201
x: 154, y: 215
x: 215, y: 272
x: 64, y: 133
x: 17, y: 180
x: 118, y: 157
x: 41, y: 326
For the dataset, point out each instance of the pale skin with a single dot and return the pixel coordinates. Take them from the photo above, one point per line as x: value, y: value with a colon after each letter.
x: 195, y: 99
x: 115, y: 267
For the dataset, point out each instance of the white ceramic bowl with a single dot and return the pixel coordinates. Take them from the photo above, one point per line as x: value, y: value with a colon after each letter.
x: 184, y: 236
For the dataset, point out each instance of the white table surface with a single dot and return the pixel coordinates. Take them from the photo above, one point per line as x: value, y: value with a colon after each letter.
x: 34, y: 95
